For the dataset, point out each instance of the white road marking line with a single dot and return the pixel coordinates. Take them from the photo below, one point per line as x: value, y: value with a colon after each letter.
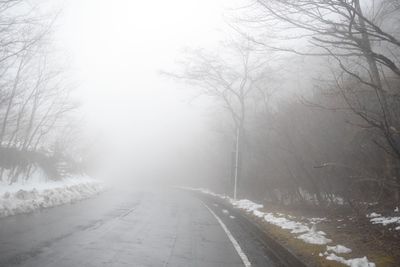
x: 239, y: 250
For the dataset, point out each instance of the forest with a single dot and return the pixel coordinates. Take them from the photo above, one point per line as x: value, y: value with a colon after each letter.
x: 310, y: 93
x: 35, y: 103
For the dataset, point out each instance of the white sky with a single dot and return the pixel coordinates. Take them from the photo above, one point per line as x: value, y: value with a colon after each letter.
x: 116, y: 48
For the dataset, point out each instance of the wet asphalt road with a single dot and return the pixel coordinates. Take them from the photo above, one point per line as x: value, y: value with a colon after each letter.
x: 128, y: 228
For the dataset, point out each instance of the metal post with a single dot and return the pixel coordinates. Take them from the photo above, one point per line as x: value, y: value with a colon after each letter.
x: 236, y: 163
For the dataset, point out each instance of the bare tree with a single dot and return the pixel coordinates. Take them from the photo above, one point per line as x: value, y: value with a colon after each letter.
x: 34, y: 96
x: 362, y: 39
x: 232, y: 80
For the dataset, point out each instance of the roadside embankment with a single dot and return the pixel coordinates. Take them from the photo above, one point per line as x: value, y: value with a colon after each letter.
x: 316, y: 241
x: 28, y: 196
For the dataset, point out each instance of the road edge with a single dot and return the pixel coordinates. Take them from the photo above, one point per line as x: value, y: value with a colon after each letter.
x: 277, y: 250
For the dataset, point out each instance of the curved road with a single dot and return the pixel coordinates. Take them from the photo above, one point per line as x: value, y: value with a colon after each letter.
x: 130, y: 228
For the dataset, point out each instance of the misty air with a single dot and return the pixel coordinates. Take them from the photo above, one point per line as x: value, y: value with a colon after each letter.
x: 213, y: 133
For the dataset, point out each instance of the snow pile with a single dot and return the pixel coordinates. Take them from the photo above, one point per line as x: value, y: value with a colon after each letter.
x: 338, y: 249
x: 314, y: 237
x: 356, y: 262
x: 246, y: 205
x: 282, y: 222
x: 385, y: 220
x: 308, y: 235
x: 377, y: 218
x: 29, y: 196
x: 373, y: 215
x: 258, y: 213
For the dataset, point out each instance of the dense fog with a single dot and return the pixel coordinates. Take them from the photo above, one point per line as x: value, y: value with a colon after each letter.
x: 296, y: 103
x: 140, y: 122
x: 200, y: 133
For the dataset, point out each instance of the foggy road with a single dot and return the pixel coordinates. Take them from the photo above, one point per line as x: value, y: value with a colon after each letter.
x: 129, y: 228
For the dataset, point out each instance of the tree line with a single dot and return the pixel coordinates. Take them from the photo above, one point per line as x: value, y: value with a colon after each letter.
x: 35, y: 101
x: 329, y: 137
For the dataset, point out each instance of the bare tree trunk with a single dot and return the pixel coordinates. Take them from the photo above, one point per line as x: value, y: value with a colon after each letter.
x: 375, y: 75
x: 10, y: 102
x: 9, y: 107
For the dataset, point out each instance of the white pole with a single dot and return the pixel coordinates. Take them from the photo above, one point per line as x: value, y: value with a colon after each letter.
x: 236, y: 163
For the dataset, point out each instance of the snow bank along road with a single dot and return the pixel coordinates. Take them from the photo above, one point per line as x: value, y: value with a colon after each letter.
x: 130, y: 228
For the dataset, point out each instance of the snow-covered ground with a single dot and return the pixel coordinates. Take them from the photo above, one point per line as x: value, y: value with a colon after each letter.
x: 307, y: 232
x: 39, y: 192
x: 392, y: 221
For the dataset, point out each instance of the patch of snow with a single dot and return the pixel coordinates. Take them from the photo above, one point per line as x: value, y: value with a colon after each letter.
x: 314, y: 237
x: 385, y: 220
x: 373, y: 215
x: 356, y: 262
x: 338, y: 249
x: 224, y: 211
x: 259, y: 214
x: 308, y: 235
x: 246, y: 205
x: 27, y: 197
x: 316, y: 220
x: 232, y: 217
x: 396, y: 209
x: 282, y: 222
x: 377, y: 218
